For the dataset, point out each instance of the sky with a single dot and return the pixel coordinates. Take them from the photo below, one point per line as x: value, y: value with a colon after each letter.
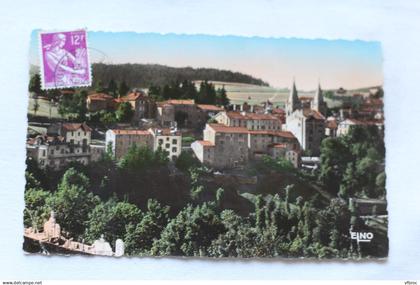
x: 333, y: 63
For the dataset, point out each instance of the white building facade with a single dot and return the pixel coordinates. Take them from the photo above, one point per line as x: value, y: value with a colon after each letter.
x: 306, y: 124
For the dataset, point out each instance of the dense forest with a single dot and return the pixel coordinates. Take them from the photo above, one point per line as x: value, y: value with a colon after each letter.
x: 160, y: 207
x: 145, y: 75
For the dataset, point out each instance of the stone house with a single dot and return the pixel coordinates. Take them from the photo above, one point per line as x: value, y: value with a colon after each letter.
x: 168, y: 139
x: 251, y: 121
x: 344, y: 126
x: 76, y: 133
x: 64, y: 143
x: 121, y: 140
x: 222, y: 146
x: 228, y: 147
x: 55, y: 152
x: 286, y: 151
x: 185, y: 112
x: 142, y: 105
x: 204, y: 151
x: 99, y: 101
x: 165, y: 114
x: 260, y: 142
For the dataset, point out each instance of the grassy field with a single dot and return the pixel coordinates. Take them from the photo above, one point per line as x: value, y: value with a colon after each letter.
x: 43, y: 109
x: 238, y: 93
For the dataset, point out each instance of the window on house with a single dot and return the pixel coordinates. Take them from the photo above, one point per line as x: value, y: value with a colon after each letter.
x: 174, y: 149
x: 167, y: 145
x: 52, y: 151
x: 174, y: 141
x: 160, y: 141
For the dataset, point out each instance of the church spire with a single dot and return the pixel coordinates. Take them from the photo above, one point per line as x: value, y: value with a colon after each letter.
x: 318, y: 101
x: 293, y: 102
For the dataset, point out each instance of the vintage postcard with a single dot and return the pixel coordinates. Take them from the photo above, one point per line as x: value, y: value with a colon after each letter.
x: 205, y: 146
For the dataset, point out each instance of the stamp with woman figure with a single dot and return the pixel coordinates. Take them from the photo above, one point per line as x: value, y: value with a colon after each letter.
x: 64, y: 59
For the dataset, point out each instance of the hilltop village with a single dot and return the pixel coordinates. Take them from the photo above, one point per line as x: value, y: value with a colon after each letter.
x: 224, y: 137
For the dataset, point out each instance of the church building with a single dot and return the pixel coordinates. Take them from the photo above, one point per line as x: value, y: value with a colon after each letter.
x: 306, y: 123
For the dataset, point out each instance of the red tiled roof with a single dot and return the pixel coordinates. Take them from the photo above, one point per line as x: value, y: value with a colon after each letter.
x: 250, y: 116
x: 313, y: 113
x: 205, y: 143
x: 284, y: 134
x: 180, y: 102
x: 165, y: 131
x: 207, y: 107
x: 305, y: 98
x: 279, y: 145
x: 226, y: 129
x: 100, y: 97
x: 75, y: 126
x: 133, y: 96
x: 278, y: 111
x: 131, y: 132
x: 67, y: 92
x: 46, y: 139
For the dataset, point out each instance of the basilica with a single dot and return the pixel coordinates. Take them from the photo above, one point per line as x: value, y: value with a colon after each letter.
x: 306, y: 119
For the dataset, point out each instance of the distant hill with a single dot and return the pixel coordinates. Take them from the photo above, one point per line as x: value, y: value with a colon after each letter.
x: 144, y: 75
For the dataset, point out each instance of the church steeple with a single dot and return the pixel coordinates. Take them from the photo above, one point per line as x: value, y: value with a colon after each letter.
x: 293, y: 102
x: 318, y: 103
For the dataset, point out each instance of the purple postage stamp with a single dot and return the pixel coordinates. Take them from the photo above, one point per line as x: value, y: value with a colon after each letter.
x: 64, y: 59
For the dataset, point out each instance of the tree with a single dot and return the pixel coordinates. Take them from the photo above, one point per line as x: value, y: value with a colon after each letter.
x: 190, y: 233
x: 124, y: 112
x: 221, y: 97
x: 348, y: 183
x: 139, y: 238
x: 186, y: 160
x: 259, y: 213
x: 140, y: 158
x: 206, y: 94
x: 74, y: 105
x: 278, y: 164
x: 35, y: 107
x: 334, y: 158
x: 107, y: 118
x: 72, y: 202
x: 123, y: 88
x: 329, y: 94
x: 188, y: 90
x: 239, y: 239
x: 99, y: 87
x: 111, y: 219
x: 36, y: 212
x: 112, y: 88
x: 35, y: 84
x: 380, y: 182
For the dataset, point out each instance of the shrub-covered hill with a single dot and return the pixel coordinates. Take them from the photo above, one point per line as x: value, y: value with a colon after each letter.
x: 144, y: 75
